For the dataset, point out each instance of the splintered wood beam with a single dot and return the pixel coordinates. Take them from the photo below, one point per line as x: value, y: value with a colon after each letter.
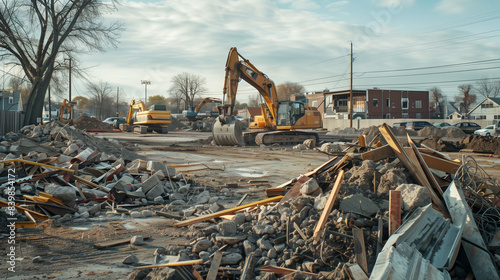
x: 283, y: 270
x: 112, y: 243
x: 226, y: 212
x: 328, y: 207
x: 174, y: 264
x: 20, y: 209
x: 378, y: 153
x: 360, y: 249
x: 214, y: 267
x: 294, y: 191
x: 445, y: 165
x: 412, y: 164
x: 362, y: 140
x: 394, y: 211
x: 427, y: 172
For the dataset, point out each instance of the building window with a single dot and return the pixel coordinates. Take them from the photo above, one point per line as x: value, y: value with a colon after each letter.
x: 404, y: 103
x: 404, y: 115
x: 11, y: 99
x: 342, y: 103
x: 481, y: 117
x: 315, y: 103
x: 418, y: 116
x: 486, y: 105
x: 375, y: 102
x: 496, y: 117
x: 418, y: 104
x: 388, y: 102
x: 388, y: 116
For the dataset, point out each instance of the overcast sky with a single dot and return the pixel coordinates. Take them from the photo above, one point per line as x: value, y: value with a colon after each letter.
x: 453, y: 42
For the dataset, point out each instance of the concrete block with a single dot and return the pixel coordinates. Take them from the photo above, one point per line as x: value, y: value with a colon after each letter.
x: 137, y: 240
x: 150, y: 183
x: 359, y: 204
x: 154, y: 192
x: 413, y: 196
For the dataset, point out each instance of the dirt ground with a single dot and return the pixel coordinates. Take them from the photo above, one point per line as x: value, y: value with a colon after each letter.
x: 67, y: 252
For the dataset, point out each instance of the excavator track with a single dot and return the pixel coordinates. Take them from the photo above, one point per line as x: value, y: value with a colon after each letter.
x: 285, y: 137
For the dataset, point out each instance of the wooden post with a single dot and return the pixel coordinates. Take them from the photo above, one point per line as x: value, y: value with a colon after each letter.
x: 394, y: 211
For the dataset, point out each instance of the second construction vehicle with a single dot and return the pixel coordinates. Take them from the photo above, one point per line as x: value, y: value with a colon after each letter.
x: 142, y: 120
x: 280, y: 120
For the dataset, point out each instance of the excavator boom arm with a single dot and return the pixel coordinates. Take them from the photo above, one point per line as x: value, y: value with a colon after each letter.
x: 237, y: 69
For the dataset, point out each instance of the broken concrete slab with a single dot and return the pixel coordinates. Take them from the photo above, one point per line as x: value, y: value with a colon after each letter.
x: 413, y: 196
x: 360, y: 204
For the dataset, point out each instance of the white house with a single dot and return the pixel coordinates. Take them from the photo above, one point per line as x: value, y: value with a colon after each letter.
x: 488, y: 109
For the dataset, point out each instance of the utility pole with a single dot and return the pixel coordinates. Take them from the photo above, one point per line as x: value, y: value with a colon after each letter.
x: 350, y: 92
x: 145, y: 83
x: 117, y: 94
x: 69, y: 78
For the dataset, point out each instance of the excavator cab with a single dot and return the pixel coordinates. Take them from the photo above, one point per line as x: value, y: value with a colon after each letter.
x: 289, y: 112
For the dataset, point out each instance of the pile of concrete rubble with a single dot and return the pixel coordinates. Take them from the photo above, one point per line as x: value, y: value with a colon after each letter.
x: 377, y: 211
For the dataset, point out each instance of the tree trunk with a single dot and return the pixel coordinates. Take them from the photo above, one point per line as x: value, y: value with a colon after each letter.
x: 34, y: 106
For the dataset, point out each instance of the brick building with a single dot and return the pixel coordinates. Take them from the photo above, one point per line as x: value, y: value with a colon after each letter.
x: 372, y: 104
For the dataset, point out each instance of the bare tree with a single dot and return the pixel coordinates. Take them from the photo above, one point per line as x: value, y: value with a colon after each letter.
x: 437, y: 100
x: 254, y: 101
x: 189, y: 86
x: 487, y: 88
x: 176, y: 98
x: 37, y: 34
x: 101, y: 98
x: 287, y: 89
x: 465, y: 98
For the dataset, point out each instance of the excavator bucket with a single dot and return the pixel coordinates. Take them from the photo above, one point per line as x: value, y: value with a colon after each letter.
x: 228, y: 132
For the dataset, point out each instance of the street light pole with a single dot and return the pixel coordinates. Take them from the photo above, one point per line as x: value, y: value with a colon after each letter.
x: 145, y: 83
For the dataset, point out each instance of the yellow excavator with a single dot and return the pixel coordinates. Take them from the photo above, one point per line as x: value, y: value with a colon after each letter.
x: 192, y: 115
x: 142, y: 120
x: 279, y: 120
x: 66, y: 114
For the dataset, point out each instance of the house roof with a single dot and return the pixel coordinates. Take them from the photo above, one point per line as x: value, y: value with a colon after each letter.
x: 253, y: 111
x: 494, y: 100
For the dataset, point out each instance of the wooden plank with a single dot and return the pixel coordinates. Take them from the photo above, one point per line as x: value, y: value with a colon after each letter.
x: 112, y: 243
x: 20, y: 209
x: 356, y: 273
x: 174, y: 264
x: 360, y: 249
x: 241, y: 200
x: 52, y: 198
x: 378, y: 153
x: 301, y: 233
x: 427, y: 172
x: 77, y: 184
x: 225, y: 212
x: 247, y: 273
x: 394, y: 211
x: 440, y: 164
x: 362, y: 140
x: 328, y: 207
x: 89, y: 183
x: 196, y: 274
x: 283, y: 270
x: 214, y: 267
x: 295, y: 190
x: 414, y: 170
x: 380, y: 234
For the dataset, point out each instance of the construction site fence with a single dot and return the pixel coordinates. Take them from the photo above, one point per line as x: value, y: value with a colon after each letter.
x: 331, y: 123
x: 10, y: 121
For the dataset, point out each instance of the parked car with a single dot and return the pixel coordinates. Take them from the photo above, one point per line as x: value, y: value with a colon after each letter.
x: 441, y: 124
x: 488, y: 130
x: 399, y: 124
x: 417, y: 125
x: 114, y: 121
x: 467, y: 127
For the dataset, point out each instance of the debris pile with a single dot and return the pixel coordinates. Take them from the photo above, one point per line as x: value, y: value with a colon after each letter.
x: 85, y: 122
x: 57, y: 138
x: 344, y: 220
x: 388, y: 210
x: 481, y: 144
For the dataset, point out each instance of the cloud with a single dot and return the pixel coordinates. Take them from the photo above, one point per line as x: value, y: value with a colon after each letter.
x: 452, y: 6
x: 393, y: 3
x: 165, y: 38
